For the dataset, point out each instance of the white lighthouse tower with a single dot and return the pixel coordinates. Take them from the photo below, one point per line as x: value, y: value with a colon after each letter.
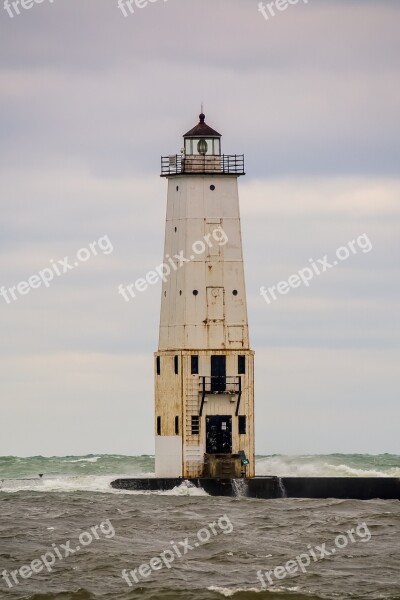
x: 204, y: 367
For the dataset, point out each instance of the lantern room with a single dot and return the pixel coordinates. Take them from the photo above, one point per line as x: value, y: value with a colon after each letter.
x: 201, y: 155
x: 202, y: 140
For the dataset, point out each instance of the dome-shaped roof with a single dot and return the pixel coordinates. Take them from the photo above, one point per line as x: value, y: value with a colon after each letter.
x: 202, y: 129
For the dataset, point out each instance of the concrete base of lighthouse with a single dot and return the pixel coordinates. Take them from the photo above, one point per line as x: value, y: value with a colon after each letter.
x: 269, y: 488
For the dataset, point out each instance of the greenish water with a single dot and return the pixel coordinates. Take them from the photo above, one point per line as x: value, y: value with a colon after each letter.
x: 74, y: 496
x: 93, y: 472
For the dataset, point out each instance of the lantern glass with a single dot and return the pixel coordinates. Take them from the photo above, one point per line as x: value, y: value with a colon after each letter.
x: 202, y: 147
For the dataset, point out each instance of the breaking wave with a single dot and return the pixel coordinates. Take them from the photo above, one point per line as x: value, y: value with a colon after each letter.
x: 94, y: 473
x: 334, y: 465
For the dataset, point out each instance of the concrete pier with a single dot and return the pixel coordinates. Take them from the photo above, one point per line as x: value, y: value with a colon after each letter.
x: 267, y: 488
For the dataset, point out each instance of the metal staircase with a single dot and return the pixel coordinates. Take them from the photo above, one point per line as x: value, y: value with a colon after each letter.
x: 192, y: 452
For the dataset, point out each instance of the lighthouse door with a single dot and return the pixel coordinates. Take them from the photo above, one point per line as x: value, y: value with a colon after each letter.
x: 219, y: 435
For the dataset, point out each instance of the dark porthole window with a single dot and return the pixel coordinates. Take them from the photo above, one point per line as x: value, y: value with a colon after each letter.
x: 195, y: 292
x: 212, y: 187
x: 235, y: 292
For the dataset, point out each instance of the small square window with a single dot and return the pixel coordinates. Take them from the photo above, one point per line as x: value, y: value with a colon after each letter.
x: 194, y: 365
x: 242, y: 424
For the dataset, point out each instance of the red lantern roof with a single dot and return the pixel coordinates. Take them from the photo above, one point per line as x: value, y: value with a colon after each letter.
x: 202, y: 129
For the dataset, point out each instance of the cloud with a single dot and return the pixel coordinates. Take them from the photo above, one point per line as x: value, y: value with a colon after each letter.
x: 88, y: 103
x: 356, y: 198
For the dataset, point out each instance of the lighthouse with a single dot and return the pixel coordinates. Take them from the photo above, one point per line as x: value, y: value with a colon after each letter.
x: 204, y: 367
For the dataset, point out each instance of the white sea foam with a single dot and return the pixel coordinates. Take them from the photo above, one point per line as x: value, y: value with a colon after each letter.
x: 229, y: 592
x: 91, y: 459
x: 346, y: 471
x: 185, y: 489
x: 90, y: 483
x: 312, y: 466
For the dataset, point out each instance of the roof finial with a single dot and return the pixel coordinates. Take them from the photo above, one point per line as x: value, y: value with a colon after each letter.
x: 202, y: 116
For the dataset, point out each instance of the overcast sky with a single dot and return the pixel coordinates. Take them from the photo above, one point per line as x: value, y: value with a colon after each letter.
x: 89, y: 100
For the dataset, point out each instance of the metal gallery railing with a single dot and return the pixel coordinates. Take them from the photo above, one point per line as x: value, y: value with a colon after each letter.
x: 220, y: 385
x: 226, y: 164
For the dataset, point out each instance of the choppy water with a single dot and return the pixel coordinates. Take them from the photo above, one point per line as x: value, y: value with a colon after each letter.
x: 94, y: 472
x: 41, y: 515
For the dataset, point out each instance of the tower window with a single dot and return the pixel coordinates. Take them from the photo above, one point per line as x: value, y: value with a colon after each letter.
x: 194, y: 365
x: 158, y: 365
x: 176, y: 364
x: 212, y: 187
x: 158, y: 425
x: 242, y: 424
x: 195, y: 425
x: 176, y: 425
x: 195, y: 292
x: 218, y: 373
x: 235, y: 292
x: 241, y: 364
